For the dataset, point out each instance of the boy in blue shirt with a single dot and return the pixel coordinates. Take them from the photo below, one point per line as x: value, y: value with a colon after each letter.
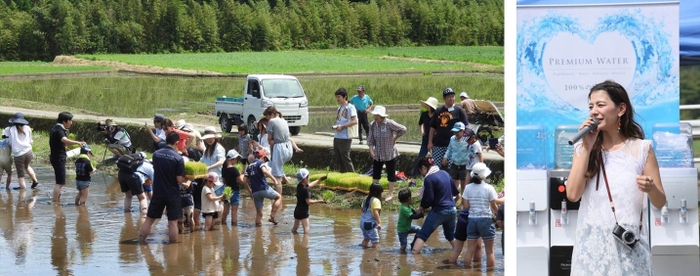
x: 256, y: 182
x: 83, y: 170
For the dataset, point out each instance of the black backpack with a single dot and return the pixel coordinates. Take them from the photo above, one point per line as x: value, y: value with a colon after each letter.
x: 129, y: 162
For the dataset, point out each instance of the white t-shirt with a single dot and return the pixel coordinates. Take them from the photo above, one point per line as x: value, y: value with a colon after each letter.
x: 473, y: 155
x: 480, y: 197
x: 344, y: 115
x: 20, y: 143
x: 208, y: 206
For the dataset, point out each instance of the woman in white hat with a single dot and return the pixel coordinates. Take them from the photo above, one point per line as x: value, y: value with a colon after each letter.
x: 480, y: 198
x: 426, y: 115
x: 20, y: 136
x: 214, y: 157
x: 381, y: 139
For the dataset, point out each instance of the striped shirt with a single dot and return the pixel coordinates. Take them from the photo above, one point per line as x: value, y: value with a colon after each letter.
x: 381, y: 138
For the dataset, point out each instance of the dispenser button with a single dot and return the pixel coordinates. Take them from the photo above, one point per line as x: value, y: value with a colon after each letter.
x: 562, y: 188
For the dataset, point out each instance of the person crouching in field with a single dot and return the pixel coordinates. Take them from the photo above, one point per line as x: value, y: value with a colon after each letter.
x: 301, y: 212
x: 210, y: 206
x: 83, y: 170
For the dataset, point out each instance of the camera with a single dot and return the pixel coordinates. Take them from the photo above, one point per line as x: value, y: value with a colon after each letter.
x: 624, y: 236
x: 101, y: 126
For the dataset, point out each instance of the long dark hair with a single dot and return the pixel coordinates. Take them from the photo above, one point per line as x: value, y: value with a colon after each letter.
x: 209, y: 151
x: 629, y: 128
x: 20, y: 128
x: 375, y: 190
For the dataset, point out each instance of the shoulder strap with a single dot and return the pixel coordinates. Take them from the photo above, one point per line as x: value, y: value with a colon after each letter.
x: 612, y: 205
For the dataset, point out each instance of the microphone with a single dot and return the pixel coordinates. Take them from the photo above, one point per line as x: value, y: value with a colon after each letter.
x: 583, y: 132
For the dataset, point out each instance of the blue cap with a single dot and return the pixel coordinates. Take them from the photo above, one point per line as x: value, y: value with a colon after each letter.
x: 458, y: 126
x: 85, y: 149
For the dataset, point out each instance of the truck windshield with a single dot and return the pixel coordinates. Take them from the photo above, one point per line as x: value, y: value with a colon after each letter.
x: 282, y: 88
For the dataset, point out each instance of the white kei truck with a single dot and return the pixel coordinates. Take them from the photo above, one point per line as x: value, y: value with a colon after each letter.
x: 284, y: 92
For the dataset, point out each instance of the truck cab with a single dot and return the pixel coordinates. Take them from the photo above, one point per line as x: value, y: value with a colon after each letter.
x: 284, y: 92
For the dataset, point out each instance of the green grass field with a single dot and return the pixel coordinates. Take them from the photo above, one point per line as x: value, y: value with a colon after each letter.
x: 34, y: 67
x: 477, y: 54
x: 327, y: 61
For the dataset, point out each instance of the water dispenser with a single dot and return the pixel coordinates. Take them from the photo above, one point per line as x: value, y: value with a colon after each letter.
x: 673, y: 229
x: 532, y: 202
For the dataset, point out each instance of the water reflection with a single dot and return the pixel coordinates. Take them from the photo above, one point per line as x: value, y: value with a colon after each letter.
x: 85, y: 236
x: 48, y: 239
x: 59, y: 242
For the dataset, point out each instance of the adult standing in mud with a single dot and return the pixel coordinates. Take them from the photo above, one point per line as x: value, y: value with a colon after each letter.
x: 363, y: 104
x: 441, y: 125
x: 346, y: 117
x: 438, y: 196
x: 20, y: 135
x: 280, y: 144
x: 58, y: 140
x: 168, y: 175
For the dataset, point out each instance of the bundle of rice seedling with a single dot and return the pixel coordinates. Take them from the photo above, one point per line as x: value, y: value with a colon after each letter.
x: 327, y: 195
x: 195, y: 170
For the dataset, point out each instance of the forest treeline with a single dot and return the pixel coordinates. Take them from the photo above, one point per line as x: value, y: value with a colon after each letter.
x: 42, y: 29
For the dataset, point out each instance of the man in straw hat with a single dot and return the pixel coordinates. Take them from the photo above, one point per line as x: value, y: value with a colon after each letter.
x: 381, y: 140
x: 426, y: 115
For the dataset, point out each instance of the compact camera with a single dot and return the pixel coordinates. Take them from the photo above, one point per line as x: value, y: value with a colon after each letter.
x: 103, y: 127
x: 624, y: 236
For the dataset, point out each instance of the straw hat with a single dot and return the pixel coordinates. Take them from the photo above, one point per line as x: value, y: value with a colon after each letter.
x: 430, y: 102
x: 180, y: 124
x: 379, y: 110
x: 210, y: 132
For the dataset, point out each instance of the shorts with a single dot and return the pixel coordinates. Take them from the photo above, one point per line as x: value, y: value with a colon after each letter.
x: 212, y: 214
x: 259, y: 196
x: 235, y: 198
x: 158, y: 204
x: 22, y: 163
x: 198, y: 191
x: 80, y: 184
x: 371, y: 234
x: 461, y: 228
x: 481, y: 228
x: 129, y: 182
x: 445, y: 217
x: 187, y: 202
x: 282, y: 153
x: 7, y: 167
x: 403, y: 237
x: 59, y: 169
x: 458, y: 171
x: 390, y: 169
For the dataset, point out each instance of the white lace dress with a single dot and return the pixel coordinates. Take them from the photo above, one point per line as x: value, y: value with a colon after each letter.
x: 596, y: 251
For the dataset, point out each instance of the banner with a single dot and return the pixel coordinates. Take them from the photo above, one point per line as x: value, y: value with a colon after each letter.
x: 562, y: 51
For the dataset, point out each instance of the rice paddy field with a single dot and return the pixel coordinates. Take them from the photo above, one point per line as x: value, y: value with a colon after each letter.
x: 327, y: 61
x: 35, y: 67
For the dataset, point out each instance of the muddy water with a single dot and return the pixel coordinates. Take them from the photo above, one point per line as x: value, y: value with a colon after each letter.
x: 40, y: 238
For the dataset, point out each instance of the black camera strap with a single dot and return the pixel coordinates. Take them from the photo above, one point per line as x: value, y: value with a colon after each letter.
x: 612, y: 205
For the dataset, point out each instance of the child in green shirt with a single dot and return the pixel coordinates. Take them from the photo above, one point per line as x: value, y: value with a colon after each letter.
x: 406, y: 214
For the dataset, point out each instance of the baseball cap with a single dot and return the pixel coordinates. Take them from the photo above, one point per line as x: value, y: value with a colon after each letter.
x: 260, y: 153
x: 232, y: 154
x: 159, y: 118
x: 463, y: 95
x: 360, y: 88
x: 458, y: 126
x: 302, y: 174
x: 447, y: 91
x: 85, y: 149
x: 213, y: 177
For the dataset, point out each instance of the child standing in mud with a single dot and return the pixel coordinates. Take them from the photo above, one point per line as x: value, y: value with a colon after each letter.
x: 83, y: 170
x: 210, y: 206
x: 406, y: 214
x: 370, y: 223
x: 301, y: 212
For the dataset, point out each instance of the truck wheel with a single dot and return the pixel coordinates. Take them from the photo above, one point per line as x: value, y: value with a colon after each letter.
x: 251, y: 126
x: 225, y: 123
x: 295, y: 130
